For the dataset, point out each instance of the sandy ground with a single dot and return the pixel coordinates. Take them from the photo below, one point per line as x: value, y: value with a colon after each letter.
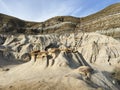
x: 35, y: 75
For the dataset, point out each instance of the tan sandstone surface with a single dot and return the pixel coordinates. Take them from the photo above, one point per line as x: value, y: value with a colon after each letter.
x: 54, y: 62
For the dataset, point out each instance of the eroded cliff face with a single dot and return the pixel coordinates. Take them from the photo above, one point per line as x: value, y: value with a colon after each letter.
x: 92, y: 46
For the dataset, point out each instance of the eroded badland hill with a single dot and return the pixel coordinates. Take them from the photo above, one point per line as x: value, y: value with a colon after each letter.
x: 61, y: 53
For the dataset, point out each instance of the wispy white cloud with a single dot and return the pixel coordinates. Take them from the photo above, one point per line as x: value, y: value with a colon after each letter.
x: 77, y: 10
x: 63, y: 7
x: 40, y: 10
x: 4, y: 7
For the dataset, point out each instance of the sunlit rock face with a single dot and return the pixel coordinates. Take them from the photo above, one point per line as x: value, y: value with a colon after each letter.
x: 92, y: 46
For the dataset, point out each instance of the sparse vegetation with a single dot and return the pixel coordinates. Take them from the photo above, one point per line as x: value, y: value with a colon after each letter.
x: 113, y: 9
x: 116, y: 74
x: 103, y: 20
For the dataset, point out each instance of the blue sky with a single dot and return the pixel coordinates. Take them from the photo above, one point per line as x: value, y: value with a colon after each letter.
x: 40, y: 10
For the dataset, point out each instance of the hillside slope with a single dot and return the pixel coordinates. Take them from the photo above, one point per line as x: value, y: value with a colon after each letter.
x: 104, y: 20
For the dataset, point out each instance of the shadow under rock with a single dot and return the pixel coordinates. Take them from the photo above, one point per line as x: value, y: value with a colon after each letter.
x: 8, y: 62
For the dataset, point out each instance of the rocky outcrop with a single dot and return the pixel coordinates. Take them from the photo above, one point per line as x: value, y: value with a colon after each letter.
x: 58, y: 66
x: 92, y: 46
